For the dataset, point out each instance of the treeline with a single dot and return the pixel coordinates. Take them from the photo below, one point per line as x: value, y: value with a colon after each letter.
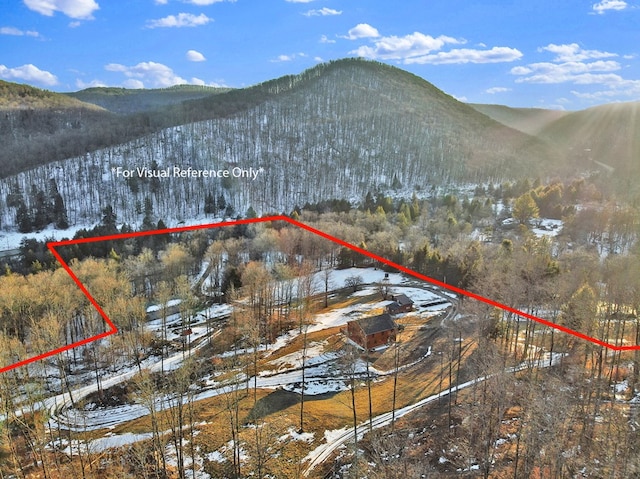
x: 125, y: 101
x: 34, y: 137
x: 266, y: 268
x: 44, y: 208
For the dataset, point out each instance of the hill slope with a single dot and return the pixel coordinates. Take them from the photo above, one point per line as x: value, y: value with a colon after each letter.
x: 38, y: 126
x: 15, y: 96
x: 527, y: 120
x: 608, y: 134
x: 338, y: 130
x: 390, y: 114
x: 126, y: 101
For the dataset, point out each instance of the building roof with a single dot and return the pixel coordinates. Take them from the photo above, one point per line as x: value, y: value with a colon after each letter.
x: 393, y: 307
x: 402, y: 299
x: 376, y: 324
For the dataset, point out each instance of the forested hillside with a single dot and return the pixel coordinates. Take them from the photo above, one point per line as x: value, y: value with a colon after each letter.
x: 39, y: 126
x: 127, y: 101
x: 604, y: 135
x: 528, y: 120
x: 338, y: 130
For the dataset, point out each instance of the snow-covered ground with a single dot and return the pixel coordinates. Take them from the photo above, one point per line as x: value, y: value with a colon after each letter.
x: 11, y: 239
x: 547, y: 227
x: 322, y: 371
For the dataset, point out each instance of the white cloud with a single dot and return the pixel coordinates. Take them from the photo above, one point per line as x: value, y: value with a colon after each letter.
x: 74, y: 24
x: 322, y: 12
x: 594, y: 73
x: 204, y: 3
x: 318, y: 59
x: 92, y: 84
x: 573, y: 72
x: 149, y: 74
x: 195, y: 56
x: 79, y: 9
x: 362, y: 30
x: 133, y: 84
x: 325, y: 39
x: 605, y: 5
x: 200, y: 82
x: 468, y: 55
x: 616, y: 88
x: 418, y: 48
x: 572, y: 64
x: 200, y: 3
x: 29, y: 73
x: 288, y: 58
x: 180, y: 20
x: 497, y: 89
x: 17, y: 32
x: 395, y: 48
x: 573, y: 53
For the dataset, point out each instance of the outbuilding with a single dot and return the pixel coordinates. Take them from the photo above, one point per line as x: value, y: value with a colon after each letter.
x: 373, y: 331
x: 401, y: 303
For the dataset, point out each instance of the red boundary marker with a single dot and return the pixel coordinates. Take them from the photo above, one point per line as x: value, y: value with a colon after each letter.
x: 113, y: 329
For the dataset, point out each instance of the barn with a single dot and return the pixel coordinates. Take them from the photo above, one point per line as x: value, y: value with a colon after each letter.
x: 401, y: 303
x: 373, y: 331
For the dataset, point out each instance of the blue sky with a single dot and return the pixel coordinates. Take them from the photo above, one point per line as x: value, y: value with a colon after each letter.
x: 568, y: 54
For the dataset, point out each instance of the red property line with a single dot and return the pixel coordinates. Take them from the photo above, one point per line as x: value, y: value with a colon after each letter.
x: 113, y: 329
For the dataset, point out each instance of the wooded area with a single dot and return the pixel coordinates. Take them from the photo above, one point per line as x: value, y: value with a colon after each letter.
x: 544, y: 403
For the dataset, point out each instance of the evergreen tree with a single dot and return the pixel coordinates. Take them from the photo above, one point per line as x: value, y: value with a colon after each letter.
x: 210, y: 206
x: 155, y: 182
x: 133, y: 184
x: 525, y: 208
x: 109, y: 220
x: 251, y: 213
x: 414, y: 209
x: 395, y: 183
x: 58, y: 211
x: 222, y: 203
x: 23, y: 218
x: 147, y: 221
x: 42, y: 209
x: 369, y: 203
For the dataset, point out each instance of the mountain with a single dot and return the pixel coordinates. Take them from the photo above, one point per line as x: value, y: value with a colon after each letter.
x: 604, y: 138
x: 393, y: 119
x: 527, y: 120
x: 38, y: 126
x: 338, y: 130
x: 126, y: 101
x: 606, y: 135
x: 15, y: 96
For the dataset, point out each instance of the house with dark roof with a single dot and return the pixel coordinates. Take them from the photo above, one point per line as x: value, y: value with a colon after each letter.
x: 401, y: 303
x: 373, y: 331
